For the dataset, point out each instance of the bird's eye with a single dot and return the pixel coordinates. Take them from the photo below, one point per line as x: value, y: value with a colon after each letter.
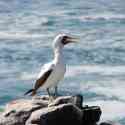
x: 64, y: 40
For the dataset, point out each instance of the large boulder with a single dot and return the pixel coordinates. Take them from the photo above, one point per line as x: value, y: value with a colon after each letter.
x: 63, y: 110
x: 64, y: 114
x: 91, y: 115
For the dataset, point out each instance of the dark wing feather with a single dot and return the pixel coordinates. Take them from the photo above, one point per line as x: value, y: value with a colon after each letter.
x: 39, y: 82
x: 42, y: 79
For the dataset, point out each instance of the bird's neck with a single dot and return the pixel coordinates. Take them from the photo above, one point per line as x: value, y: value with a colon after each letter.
x: 58, y: 55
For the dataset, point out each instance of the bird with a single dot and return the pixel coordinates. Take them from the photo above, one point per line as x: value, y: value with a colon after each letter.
x: 53, y: 72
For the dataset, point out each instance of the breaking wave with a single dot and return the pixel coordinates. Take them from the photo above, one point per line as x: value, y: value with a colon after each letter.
x: 106, y: 17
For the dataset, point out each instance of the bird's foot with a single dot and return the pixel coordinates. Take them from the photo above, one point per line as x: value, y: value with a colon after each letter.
x: 35, y: 97
x: 51, y: 99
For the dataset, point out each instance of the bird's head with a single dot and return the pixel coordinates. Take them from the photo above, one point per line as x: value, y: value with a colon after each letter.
x: 63, y: 39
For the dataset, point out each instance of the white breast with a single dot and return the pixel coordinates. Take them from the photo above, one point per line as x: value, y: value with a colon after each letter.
x: 57, y: 74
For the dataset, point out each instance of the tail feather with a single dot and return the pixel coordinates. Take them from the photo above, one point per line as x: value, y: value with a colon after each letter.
x: 32, y: 91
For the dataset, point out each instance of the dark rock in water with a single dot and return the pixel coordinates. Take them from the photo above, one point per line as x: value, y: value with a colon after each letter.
x: 104, y: 123
x: 109, y: 123
x: 91, y: 115
x: 63, y: 110
x: 78, y: 100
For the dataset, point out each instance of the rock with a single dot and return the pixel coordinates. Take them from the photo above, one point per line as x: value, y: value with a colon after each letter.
x: 109, y: 123
x: 76, y: 100
x: 40, y: 111
x: 13, y: 120
x: 22, y: 106
x: 91, y: 115
x: 64, y: 114
x: 18, y: 111
x: 104, y: 123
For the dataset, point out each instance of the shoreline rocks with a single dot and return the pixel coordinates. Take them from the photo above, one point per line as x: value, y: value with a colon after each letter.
x: 64, y: 110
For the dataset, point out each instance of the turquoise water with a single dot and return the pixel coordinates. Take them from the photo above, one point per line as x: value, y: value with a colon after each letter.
x: 95, y: 66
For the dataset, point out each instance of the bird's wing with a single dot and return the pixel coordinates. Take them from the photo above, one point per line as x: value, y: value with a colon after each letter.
x: 42, y: 79
x: 43, y: 76
x: 45, y: 68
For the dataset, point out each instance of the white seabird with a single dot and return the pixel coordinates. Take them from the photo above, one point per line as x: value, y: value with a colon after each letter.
x: 54, y: 71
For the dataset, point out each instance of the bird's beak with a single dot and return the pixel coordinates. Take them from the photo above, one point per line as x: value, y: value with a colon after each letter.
x: 71, y: 40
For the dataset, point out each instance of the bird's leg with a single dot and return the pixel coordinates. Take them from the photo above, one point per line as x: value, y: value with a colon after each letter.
x: 56, y: 91
x: 50, y: 97
x: 48, y: 92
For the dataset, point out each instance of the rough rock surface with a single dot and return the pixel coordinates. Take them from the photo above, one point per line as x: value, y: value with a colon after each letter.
x: 63, y: 110
x: 64, y: 114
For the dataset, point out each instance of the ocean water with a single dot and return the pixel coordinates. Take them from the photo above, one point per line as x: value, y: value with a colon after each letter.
x: 95, y: 66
